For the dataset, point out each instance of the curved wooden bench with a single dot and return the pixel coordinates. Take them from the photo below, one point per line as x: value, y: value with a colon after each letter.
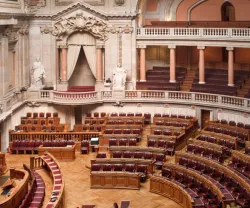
x: 19, y: 192
x: 224, y: 195
x: 243, y: 181
x: 174, y: 191
x: 49, y: 162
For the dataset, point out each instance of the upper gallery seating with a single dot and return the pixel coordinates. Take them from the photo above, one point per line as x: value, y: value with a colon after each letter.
x: 224, y: 177
x: 81, y: 88
x: 217, y: 80
x: 158, y: 79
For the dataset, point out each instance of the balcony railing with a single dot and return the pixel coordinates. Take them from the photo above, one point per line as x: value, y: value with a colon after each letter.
x: 192, y: 98
x: 200, y: 33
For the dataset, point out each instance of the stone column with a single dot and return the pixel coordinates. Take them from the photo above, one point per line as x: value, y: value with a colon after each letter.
x: 143, y: 64
x: 172, y: 63
x: 201, y: 65
x: 99, y: 64
x: 230, y: 66
x: 63, y: 63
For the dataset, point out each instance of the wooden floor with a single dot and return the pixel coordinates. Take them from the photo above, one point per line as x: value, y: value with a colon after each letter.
x: 77, y: 186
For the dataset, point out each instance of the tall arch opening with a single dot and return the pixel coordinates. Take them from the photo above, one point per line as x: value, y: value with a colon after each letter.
x: 227, y: 12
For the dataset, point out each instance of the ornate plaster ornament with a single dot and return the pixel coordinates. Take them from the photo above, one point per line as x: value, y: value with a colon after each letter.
x: 24, y: 30
x: 66, y: 26
x: 119, y: 2
x: 11, y: 33
x: 32, y: 6
x: 46, y: 29
x: 33, y: 104
x: 118, y: 104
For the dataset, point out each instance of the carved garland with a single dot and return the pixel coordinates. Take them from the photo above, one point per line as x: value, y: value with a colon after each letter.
x: 33, y: 6
x: 97, y: 28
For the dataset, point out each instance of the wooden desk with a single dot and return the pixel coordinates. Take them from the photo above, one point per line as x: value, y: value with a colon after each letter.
x: 120, y: 180
x: 61, y: 153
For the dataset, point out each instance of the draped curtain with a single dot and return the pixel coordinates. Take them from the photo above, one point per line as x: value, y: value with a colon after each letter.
x: 88, y: 42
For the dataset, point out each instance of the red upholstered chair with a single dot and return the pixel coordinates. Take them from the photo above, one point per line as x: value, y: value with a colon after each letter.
x: 157, y: 115
x: 84, y: 147
x: 132, y: 142
x: 122, y: 114
x: 166, y: 115
x: 130, y: 167
x: 48, y: 115
x: 113, y: 114
x: 35, y: 115
x: 29, y: 115
x: 148, y: 156
x: 103, y: 114
x: 128, y: 154
x: 41, y: 115
x: 232, y: 123
x: 107, y: 167
x: 95, y: 167
x: 55, y: 115
x: 118, y: 167
x: 138, y: 114
x: 181, y: 116
x: 138, y: 155
x: 96, y: 114
x: 89, y: 115
x: 173, y: 116
x: 130, y: 114
x: 112, y: 142
x: 123, y: 142
x: 117, y: 154
x: 29, y: 121
x: 23, y: 121
x: 152, y: 143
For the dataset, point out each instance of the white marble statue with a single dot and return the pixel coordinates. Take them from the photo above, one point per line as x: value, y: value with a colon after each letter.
x: 119, y: 78
x: 37, y: 75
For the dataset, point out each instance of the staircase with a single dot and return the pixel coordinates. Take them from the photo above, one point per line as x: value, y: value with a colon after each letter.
x: 188, y: 81
x: 244, y: 90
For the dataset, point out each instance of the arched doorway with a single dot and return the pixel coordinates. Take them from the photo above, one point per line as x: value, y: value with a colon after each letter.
x: 227, y: 12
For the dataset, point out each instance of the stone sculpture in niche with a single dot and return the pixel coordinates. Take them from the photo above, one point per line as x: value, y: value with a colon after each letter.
x: 119, y: 78
x: 37, y: 75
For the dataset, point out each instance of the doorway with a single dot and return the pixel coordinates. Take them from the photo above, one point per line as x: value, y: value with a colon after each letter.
x: 227, y: 12
x: 205, y: 117
x: 78, y: 115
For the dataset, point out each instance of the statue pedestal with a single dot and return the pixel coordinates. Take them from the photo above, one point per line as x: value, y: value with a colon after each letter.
x: 62, y: 86
x: 99, y: 86
x: 118, y: 94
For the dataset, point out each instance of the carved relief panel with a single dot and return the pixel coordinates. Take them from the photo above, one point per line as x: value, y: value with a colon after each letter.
x: 91, y: 2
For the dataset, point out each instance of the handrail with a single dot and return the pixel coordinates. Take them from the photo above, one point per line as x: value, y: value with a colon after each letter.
x: 194, y: 33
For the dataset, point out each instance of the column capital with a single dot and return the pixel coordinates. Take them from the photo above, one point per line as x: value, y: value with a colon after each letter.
x: 62, y: 46
x: 201, y: 47
x: 230, y: 48
x: 141, y: 46
x: 172, y: 46
x: 99, y: 46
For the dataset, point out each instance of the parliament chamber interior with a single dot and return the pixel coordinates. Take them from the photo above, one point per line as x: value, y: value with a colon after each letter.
x: 125, y: 103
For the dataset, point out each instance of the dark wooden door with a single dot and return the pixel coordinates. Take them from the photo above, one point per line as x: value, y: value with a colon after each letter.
x: 78, y: 115
x: 205, y: 117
